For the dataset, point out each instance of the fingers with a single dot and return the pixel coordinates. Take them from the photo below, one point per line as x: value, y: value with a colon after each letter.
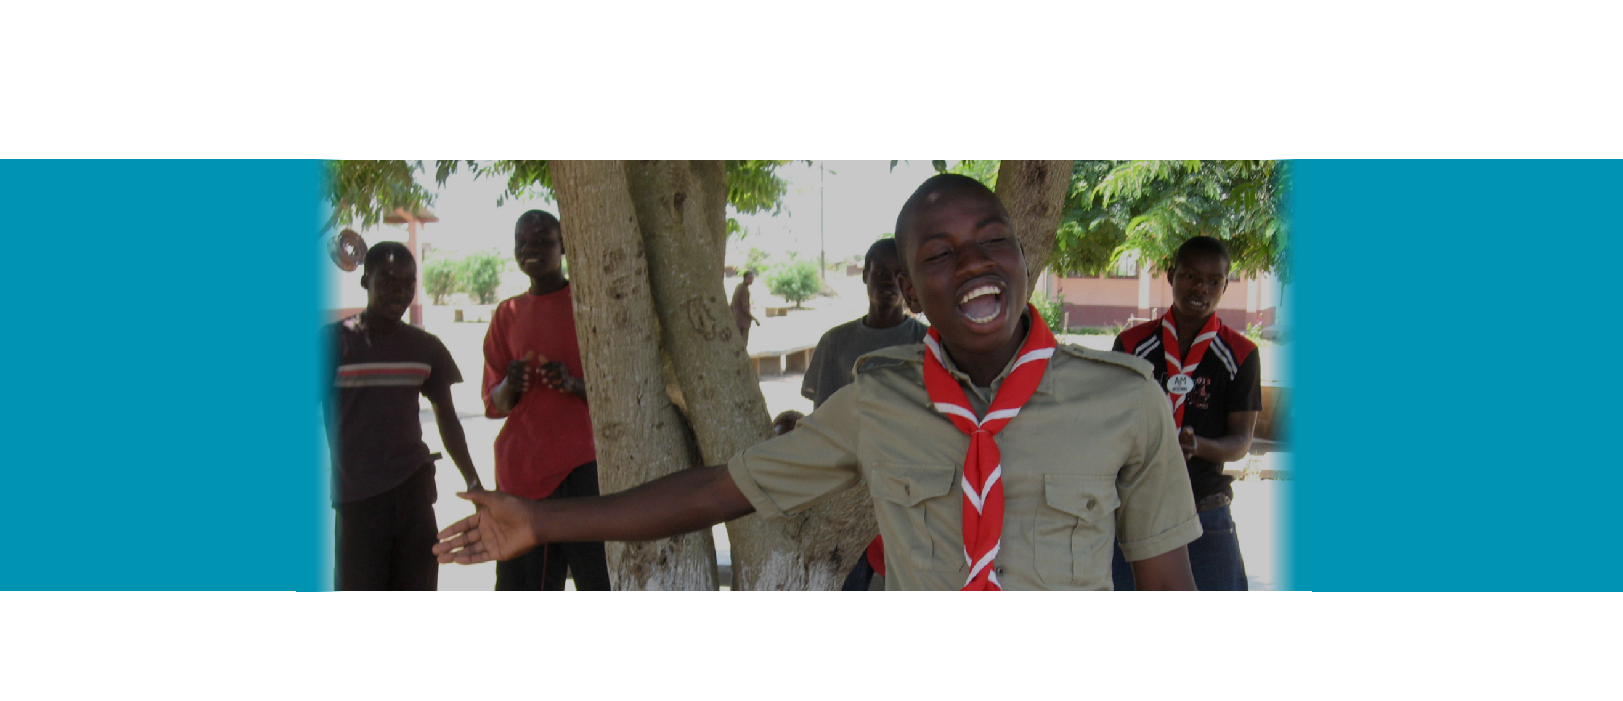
x: 481, y: 497
x: 470, y: 523
x: 468, y: 554
x: 554, y: 375
x: 461, y: 542
x: 465, y: 557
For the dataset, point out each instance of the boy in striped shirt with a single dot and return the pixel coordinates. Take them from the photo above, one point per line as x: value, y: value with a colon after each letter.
x: 383, y: 476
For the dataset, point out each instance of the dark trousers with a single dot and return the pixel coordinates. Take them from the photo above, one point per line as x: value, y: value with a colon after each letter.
x: 543, y: 569
x: 861, y: 576
x: 385, y: 542
x: 1214, y: 557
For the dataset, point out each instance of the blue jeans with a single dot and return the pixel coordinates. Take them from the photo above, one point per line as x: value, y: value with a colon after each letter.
x: 1214, y: 557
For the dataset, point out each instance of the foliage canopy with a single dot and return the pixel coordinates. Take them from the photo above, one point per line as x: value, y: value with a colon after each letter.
x: 364, y: 192
x: 1113, y: 208
x: 1152, y: 207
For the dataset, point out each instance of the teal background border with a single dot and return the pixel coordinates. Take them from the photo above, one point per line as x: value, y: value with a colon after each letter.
x: 163, y: 349
x: 1453, y: 376
x: 1451, y: 380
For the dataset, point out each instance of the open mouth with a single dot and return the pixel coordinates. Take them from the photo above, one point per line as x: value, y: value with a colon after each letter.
x: 981, y: 304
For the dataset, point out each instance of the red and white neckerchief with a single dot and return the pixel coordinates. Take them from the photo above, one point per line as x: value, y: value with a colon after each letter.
x: 983, y: 466
x: 1181, y: 375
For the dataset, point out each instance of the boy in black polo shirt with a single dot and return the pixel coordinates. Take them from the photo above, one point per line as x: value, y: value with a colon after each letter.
x: 1215, y: 385
x: 383, y: 476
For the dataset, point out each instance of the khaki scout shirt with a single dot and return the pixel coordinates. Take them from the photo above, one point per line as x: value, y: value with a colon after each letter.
x: 1092, y: 454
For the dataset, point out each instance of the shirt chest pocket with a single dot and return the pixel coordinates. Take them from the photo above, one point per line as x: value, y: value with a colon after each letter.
x: 918, y: 501
x: 1075, y: 529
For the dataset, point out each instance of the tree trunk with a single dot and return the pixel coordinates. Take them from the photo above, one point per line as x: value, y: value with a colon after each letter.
x: 640, y: 435
x: 681, y: 208
x: 1034, y: 194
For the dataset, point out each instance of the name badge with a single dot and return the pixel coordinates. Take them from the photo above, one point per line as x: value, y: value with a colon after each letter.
x: 1180, y: 384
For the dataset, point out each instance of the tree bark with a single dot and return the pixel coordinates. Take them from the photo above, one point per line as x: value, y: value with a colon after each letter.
x: 1034, y: 194
x: 640, y: 434
x: 681, y: 209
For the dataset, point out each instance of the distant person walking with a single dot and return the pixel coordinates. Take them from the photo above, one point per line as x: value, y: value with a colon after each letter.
x: 741, y: 307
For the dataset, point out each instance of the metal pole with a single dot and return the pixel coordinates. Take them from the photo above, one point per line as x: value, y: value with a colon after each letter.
x: 822, y: 257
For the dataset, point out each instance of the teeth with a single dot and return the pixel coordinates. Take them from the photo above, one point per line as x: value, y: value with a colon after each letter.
x: 981, y: 291
x: 978, y: 292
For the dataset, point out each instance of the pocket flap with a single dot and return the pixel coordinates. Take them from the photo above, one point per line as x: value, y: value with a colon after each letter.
x: 910, y: 484
x: 1087, y: 497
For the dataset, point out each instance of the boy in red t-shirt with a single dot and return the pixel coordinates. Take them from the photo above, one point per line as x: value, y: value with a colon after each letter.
x: 532, y: 377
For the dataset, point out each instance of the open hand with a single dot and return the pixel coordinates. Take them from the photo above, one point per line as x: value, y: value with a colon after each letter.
x: 498, y: 530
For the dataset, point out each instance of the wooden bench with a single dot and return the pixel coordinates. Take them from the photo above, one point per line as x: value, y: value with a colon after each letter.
x: 775, y: 311
x: 795, y: 359
x: 474, y: 313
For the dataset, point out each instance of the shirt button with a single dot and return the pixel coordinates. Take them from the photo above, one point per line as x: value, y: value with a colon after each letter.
x: 1001, y: 570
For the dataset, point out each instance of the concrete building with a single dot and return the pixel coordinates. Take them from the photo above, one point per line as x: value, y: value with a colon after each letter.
x: 1131, y: 293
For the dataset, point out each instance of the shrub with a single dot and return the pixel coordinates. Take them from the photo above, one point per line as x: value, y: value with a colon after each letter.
x: 795, y: 281
x: 481, y: 274
x: 439, y: 279
x: 756, y: 260
x: 1097, y: 330
x: 1052, y: 310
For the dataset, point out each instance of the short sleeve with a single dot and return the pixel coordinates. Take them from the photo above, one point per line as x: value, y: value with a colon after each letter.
x: 804, y: 467
x: 497, y: 356
x: 1245, y: 393
x: 816, y: 371
x: 1157, y: 511
x: 443, y: 371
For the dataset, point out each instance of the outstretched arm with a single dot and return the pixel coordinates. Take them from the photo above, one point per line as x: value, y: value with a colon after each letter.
x: 1168, y: 571
x: 456, y: 442
x: 507, y: 526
